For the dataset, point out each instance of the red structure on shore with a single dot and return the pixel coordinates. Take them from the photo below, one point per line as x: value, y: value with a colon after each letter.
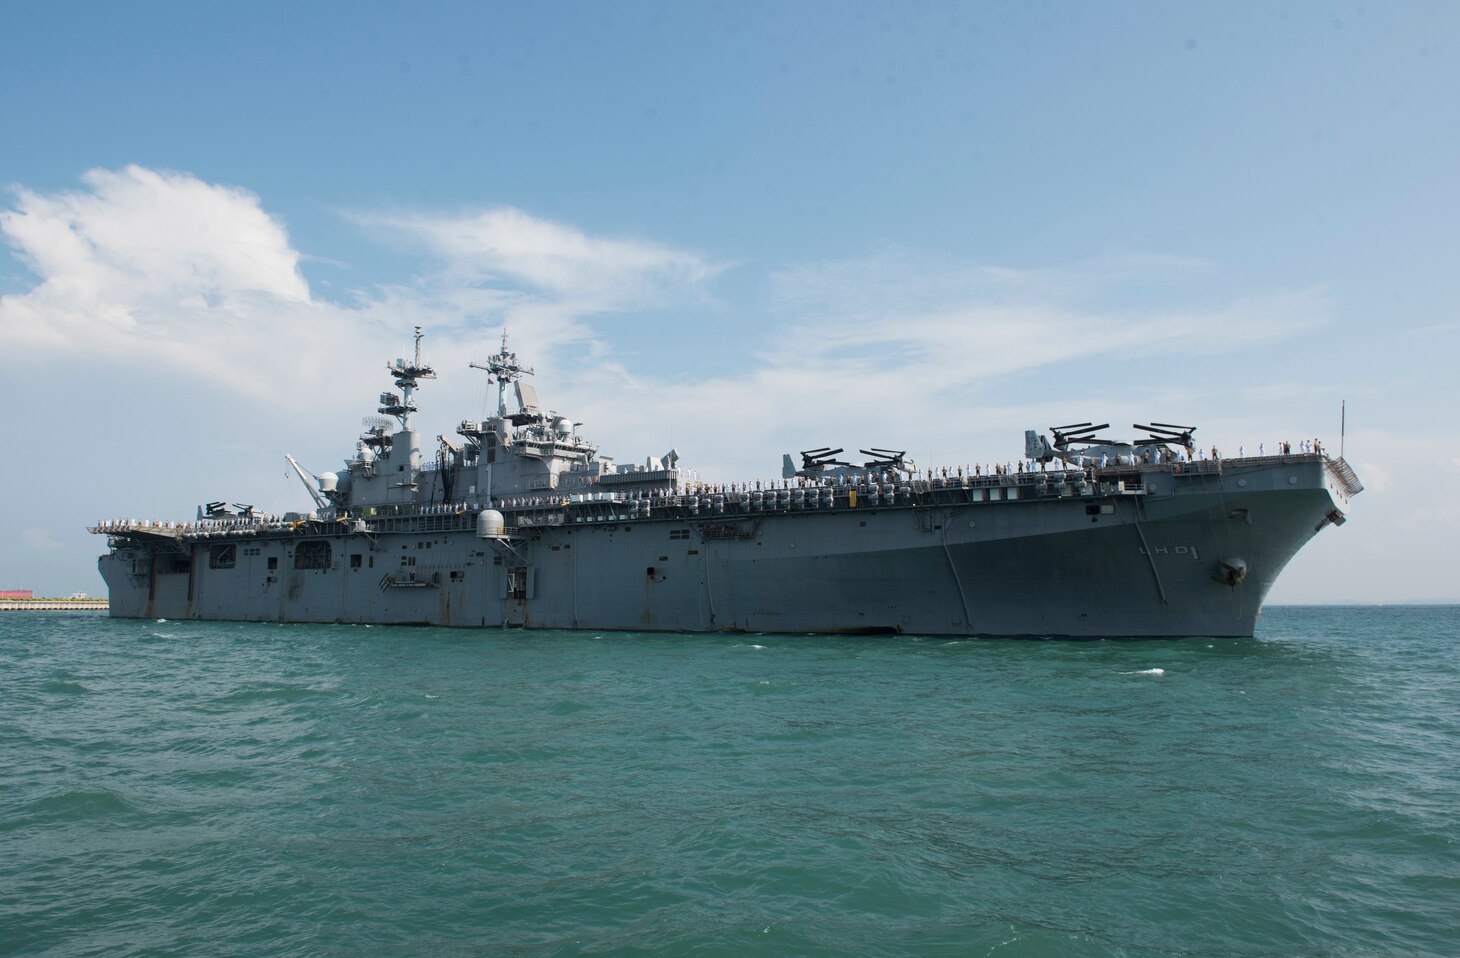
x: 16, y: 594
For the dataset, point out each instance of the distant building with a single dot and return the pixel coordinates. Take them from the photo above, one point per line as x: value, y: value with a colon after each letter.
x: 16, y: 594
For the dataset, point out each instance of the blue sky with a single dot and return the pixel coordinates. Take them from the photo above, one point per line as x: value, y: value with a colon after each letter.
x: 739, y: 228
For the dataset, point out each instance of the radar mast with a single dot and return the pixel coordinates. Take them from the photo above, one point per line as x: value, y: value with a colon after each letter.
x: 503, y: 368
x: 406, y: 375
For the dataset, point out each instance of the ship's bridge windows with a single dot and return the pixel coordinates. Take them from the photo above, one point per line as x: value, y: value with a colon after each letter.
x: 223, y: 556
x: 312, y: 554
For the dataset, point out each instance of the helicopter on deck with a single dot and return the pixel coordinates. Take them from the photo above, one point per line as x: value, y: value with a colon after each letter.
x: 823, y: 464
x: 1078, y: 445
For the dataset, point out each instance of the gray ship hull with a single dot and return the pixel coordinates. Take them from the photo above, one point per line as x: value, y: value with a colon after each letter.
x: 1181, y: 550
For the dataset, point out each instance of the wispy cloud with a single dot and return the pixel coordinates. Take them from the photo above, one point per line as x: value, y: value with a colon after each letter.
x: 895, y: 280
x: 1435, y: 329
x: 952, y: 323
x: 895, y: 348
x: 506, y: 245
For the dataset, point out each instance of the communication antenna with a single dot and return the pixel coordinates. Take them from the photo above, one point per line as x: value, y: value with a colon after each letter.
x: 503, y: 368
x: 406, y: 376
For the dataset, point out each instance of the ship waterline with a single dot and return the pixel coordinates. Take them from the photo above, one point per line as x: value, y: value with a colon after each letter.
x: 1108, y: 540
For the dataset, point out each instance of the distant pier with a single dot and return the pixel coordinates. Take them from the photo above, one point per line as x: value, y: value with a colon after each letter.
x: 53, y: 605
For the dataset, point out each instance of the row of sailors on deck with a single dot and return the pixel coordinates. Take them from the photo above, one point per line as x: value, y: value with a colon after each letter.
x: 232, y: 522
x: 1306, y: 447
x: 859, y: 479
x: 527, y: 502
x: 872, y: 478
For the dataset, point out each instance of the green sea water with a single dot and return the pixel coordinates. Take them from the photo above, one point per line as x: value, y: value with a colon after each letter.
x: 182, y: 788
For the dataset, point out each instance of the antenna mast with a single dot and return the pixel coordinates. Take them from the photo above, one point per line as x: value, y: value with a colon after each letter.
x: 406, y: 375
x: 503, y: 368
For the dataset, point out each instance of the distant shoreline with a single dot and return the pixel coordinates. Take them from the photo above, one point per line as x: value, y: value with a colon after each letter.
x: 48, y: 605
x: 1435, y: 603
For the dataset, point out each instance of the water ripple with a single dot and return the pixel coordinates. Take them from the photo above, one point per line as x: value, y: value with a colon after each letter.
x: 246, y: 789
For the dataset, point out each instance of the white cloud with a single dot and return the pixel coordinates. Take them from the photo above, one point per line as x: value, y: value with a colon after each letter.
x: 159, y: 267
x: 164, y: 269
x: 505, y: 245
x: 951, y: 323
x: 902, y: 280
x: 141, y: 238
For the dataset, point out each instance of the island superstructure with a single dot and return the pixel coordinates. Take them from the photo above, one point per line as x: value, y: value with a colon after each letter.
x: 518, y: 521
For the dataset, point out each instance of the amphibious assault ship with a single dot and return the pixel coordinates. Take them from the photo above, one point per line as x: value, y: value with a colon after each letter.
x: 518, y: 521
